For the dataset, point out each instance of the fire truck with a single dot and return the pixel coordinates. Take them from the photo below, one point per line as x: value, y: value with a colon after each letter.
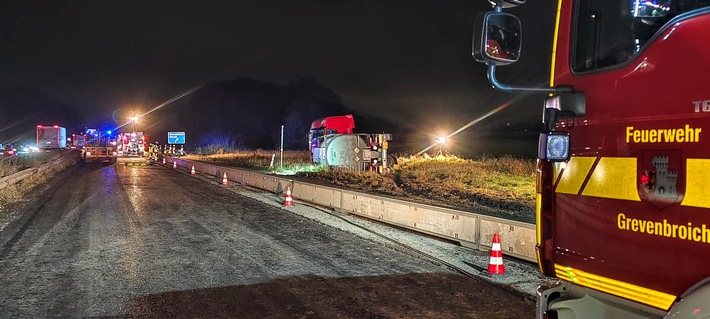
x: 332, y: 142
x: 131, y: 144
x: 78, y: 141
x: 99, y: 146
x: 623, y: 211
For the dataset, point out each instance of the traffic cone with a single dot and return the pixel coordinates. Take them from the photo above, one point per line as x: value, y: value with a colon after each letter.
x: 163, y: 160
x: 224, y: 179
x: 174, y: 165
x: 288, y: 201
x: 495, y: 266
x: 192, y: 171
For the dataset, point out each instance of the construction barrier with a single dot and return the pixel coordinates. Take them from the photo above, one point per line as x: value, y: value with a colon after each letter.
x: 517, y: 239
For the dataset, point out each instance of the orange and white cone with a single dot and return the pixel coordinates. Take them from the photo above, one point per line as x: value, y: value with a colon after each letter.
x: 495, y: 266
x: 224, y: 179
x: 192, y: 171
x: 163, y: 160
x: 288, y: 201
x: 174, y: 165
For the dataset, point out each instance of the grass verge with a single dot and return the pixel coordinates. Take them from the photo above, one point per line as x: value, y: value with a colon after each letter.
x: 266, y: 161
x: 17, y: 191
x: 498, y: 186
x: 14, y: 164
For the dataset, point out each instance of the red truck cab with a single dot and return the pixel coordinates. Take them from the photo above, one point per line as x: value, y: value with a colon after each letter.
x: 340, y: 124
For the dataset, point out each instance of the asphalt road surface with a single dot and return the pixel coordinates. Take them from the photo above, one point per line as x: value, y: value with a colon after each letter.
x: 145, y: 241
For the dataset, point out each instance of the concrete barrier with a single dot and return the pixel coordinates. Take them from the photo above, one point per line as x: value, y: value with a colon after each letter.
x: 26, y: 173
x: 14, y: 178
x: 469, y: 229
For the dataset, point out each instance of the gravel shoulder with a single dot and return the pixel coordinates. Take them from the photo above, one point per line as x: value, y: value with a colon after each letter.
x: 520, y: 276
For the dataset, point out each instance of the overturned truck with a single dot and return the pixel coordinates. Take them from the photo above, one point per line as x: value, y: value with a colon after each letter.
x: 332, y: 143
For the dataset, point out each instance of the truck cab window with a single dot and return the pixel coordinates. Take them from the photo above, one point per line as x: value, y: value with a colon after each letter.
x: 610, y: 32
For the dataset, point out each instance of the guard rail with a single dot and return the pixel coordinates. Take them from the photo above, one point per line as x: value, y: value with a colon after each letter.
x: 26, y: 173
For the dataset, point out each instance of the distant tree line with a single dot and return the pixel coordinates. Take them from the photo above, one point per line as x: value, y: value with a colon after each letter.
x: 235, y: 114
x: 248, y: 113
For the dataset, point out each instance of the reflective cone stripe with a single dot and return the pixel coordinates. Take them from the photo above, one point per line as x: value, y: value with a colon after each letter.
x: 224, y: 179
x: 496, y: 255
x: 192, y: 171
x: 495, y: 266
x: 289, y: 198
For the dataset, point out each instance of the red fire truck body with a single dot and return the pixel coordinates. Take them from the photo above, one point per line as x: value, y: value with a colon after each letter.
x: 624, y: 220
x: 643, y: 124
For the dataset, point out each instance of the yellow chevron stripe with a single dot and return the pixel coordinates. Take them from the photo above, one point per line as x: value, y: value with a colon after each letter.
x: 538, y: 216
x: 554, y: 44
x: 614, y: 177
x: 538, y: 227
x: 574, y: 174
x: 557, y: 170
x: 622, y: 289
x: 697, y: 175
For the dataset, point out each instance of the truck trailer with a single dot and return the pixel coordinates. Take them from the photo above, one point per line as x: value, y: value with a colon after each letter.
x: 623, y: 212
x: 333, y: 143
x: 51, y: 137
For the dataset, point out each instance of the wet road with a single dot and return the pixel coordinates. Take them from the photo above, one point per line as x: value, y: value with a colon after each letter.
x: 146, y: 241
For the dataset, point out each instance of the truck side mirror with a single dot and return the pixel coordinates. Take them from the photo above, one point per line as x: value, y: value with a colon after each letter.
x: 563, y: 105
x: 497, y: 38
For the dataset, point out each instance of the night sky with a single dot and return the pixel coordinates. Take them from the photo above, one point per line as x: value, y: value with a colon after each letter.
x: 407, y: 63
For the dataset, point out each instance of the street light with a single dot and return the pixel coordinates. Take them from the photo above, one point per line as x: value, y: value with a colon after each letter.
x: 134, y: 119
x: 441, y: 141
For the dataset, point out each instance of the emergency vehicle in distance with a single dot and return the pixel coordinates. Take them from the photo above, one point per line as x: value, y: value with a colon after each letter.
x: 131, y: 144
x: 99, y: 146
x: 51, y: 137
x: 332, y: 142
x: 78, y: 141
x: 623, y: 204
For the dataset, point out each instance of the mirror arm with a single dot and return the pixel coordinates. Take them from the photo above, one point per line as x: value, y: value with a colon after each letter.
x: 512, y: 89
